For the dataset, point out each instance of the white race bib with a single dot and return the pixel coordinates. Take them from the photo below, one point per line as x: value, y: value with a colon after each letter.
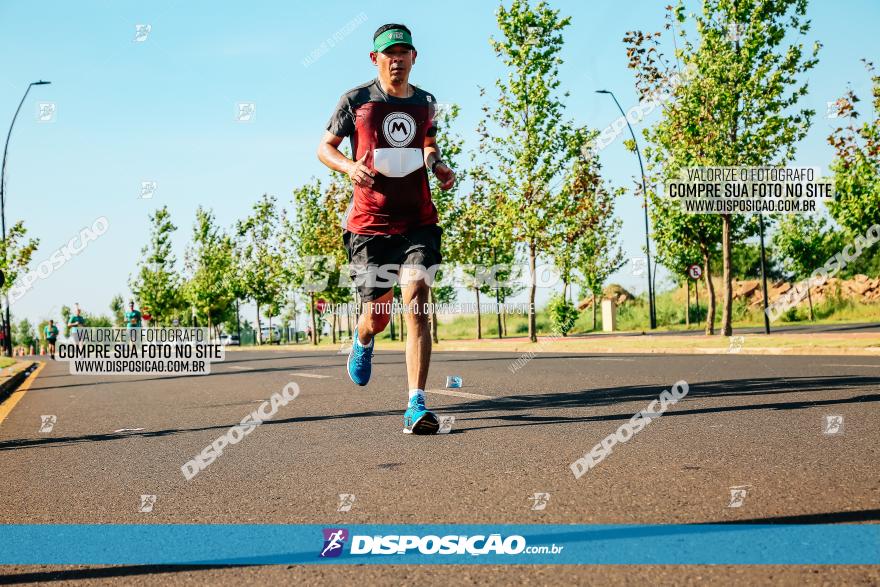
x: 397, y: 162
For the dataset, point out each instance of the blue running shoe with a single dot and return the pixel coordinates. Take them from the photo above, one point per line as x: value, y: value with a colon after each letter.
x: 417, y: 419
x: 360, y: 361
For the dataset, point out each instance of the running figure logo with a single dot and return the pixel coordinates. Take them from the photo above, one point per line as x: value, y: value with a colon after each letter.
x: 540, y: 501
x: 446, y: 423
x: 147, y: 503
x: 334, y: 540
x: 833, y: 425
x: 47, y: 423
x: 346, y: 500
x: 737, y: 496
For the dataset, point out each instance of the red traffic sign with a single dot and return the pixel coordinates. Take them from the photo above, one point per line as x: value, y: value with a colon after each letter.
x: 146, y: 317
x: 320, y: 305
x: 695, y: 272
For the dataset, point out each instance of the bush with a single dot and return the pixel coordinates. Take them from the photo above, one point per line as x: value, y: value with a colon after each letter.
x: 563, y: 314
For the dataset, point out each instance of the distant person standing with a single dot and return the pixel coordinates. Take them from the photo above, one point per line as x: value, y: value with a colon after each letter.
x: 51, y: 332
x: 75, y: 322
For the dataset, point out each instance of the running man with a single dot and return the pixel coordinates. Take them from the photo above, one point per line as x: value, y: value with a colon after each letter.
x: 132, y: 317
x: 75, y: 322
x: 391, y: 220
x: 51, y: 332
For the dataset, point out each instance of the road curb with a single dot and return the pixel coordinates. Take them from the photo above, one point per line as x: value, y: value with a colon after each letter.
x: 8, y: 387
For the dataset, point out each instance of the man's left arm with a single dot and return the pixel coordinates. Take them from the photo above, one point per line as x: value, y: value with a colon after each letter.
x: 442, y: 172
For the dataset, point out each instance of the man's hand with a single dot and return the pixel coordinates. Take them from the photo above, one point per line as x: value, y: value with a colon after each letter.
x: 360, y: 173
x: 445, y: 175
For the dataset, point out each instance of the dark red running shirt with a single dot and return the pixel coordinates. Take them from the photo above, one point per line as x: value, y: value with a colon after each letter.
x: 374, y: 120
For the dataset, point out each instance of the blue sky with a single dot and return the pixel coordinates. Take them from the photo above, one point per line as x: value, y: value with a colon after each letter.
x: 163, y: 110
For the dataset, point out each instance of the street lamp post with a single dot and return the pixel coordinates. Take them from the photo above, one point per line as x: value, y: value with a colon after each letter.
x: 7, y: 332
x: 652, y: 311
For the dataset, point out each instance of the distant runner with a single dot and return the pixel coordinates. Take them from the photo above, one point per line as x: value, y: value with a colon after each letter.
x: 132, y: 317
x: 75, y: 322
x: 391, y: 219
x: 51, y: 332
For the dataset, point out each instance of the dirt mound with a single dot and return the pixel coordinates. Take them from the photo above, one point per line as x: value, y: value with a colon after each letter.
x: 860, y: 288
x: 611, y: 292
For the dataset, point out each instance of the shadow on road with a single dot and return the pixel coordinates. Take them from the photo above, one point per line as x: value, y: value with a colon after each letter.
x: 101, y: 573
x: 523, y: 410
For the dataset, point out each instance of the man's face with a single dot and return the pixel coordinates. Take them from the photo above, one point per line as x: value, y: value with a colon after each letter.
x: 131, y: 306
x: 395, y: 62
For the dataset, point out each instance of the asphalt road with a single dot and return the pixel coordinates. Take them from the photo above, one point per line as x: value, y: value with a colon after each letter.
x: 748, y: 421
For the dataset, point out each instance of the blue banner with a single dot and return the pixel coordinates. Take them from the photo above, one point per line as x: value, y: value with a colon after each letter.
x: 258, y: 544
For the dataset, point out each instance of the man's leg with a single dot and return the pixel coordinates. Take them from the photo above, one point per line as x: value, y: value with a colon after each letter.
x: 417, y: 419
x: 374, y: 318
x: 416, y: 295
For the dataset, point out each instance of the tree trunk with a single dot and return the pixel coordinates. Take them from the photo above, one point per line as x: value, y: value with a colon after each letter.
x: 479, y: 318
x: 687, y: 307
x: 402, y: 319
x: 595, y: 303
x: 259, y: 328
x: 533, y: 335
x: 348, y: 319
x: 498, y: 310
x: 710, y: 310
x: 391, y: 319
x: 697, y: 298
x: 810, y: 301
x: 504, y: 319
x: 564, y: 298
x: 726, y: 277
x: 333, y: 327
x: 312, y: 317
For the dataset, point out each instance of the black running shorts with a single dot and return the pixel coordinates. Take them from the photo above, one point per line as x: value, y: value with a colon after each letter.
x: 375, y: 259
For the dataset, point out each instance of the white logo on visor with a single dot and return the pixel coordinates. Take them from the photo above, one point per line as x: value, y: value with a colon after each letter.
x: 399, y: 129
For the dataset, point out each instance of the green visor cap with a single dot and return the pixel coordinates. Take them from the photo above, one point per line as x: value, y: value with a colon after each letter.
x: 392, y: 37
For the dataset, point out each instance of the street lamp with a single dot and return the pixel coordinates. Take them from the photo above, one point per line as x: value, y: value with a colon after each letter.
x: 651, y: 308
x: 7, y: 332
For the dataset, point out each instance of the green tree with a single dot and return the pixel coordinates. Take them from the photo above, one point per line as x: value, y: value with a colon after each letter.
x: 16, y: 253
x: 563, y: 314
x: 450, y: 145
x: 157, y: 285
x: 317, y: 251
x: 23, y: 334
x: 531, y: 145
x: 598, y: 258
x: 117, y: 310
x: 587, y: 231
x: 804, y: 243
x: 210, y: 262
x: 856, y: 166
x: 262, y: 270
x: 738, y: 107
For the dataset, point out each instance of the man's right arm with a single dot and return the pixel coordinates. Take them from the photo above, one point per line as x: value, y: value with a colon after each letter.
x: 330, y: 155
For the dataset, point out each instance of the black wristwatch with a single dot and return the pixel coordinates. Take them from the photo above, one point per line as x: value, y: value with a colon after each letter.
x: 435, y: 163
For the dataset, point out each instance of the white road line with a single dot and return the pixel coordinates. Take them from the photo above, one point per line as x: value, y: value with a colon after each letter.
x: 240, y: 368
x: 848, y: 365
x: 312, y: 375
x: 458, y: 394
